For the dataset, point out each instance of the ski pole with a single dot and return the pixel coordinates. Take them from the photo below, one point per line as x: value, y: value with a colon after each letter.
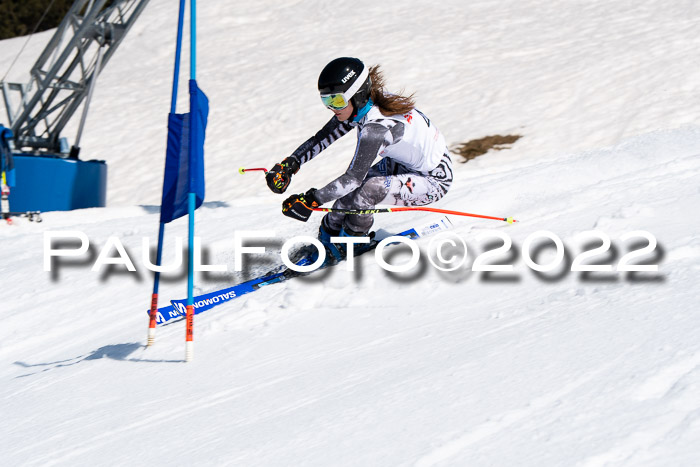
x: 510, y: 220
x: 243, y: 170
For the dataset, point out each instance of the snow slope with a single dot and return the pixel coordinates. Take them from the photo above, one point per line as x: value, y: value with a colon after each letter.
x: 370, y: 368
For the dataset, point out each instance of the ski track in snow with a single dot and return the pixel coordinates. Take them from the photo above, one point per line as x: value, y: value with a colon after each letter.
x: 502, y: 421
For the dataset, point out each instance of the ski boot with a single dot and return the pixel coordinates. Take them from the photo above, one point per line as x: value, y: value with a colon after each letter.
x: 333, y: 254
x: 337, y: 252
x: 358, y: 248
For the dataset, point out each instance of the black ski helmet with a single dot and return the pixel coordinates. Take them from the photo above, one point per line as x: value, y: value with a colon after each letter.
x: 347, y: 74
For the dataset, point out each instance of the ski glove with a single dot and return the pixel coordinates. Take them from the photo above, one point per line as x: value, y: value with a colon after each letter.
x: 279, y: 177
x: 300, y: 206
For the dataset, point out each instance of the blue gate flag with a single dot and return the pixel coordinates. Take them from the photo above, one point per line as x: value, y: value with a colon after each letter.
x: 184, y: 159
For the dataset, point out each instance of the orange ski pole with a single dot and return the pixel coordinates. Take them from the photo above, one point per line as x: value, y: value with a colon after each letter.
x: 510, y: 220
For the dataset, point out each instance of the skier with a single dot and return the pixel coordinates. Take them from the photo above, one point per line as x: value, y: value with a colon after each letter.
x: 415, y: 168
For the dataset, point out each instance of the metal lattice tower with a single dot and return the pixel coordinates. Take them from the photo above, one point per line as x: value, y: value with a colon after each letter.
x: 65, y: 73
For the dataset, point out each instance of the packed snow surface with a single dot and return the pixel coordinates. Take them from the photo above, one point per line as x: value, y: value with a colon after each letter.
x: 368, y: 367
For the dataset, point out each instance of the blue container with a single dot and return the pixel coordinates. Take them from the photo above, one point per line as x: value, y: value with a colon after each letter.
x: 50, y: 183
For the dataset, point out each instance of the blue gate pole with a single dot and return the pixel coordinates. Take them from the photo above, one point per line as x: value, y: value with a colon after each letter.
x: 161, y: 230
x: 191, y: 197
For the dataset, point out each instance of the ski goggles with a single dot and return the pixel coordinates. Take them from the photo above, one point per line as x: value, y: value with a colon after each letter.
x: 340, y: 100
x: 335, y: 101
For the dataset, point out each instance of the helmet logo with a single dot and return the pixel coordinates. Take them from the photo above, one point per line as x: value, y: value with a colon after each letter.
x: 348, y: 76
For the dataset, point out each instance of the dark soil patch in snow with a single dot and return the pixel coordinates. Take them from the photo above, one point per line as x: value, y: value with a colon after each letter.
x: 477, y: 147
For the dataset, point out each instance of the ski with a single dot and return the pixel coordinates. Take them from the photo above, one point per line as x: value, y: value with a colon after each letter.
x: 177, y: 310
